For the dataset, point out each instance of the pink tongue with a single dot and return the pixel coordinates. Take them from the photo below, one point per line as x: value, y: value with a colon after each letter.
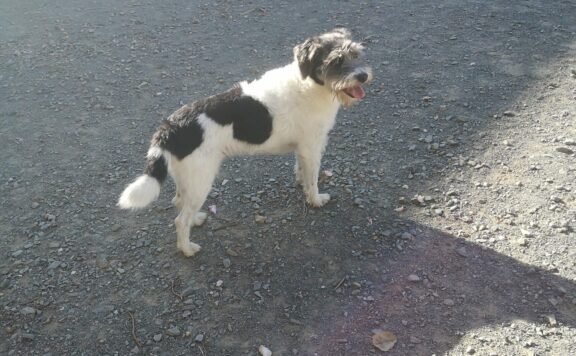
x: 356, y: 92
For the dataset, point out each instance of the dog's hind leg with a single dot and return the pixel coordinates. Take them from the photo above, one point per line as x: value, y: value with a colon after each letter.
x: 309, y: 158
x: 195, y: 178
x: 177, y: 200
x: 183, y: 223
x: 200, y: 216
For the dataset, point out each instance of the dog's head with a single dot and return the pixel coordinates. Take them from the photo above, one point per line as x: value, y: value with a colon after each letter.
x: 334, y: 60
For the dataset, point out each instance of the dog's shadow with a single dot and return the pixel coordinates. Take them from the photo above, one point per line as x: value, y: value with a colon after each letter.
x: 344, y: 291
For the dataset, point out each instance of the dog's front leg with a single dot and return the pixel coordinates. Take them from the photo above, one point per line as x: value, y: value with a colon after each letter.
x: 307, y: 170
x: 298, y: 172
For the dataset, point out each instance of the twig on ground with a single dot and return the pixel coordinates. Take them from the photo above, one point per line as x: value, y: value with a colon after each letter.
x: 340, y: 283
x: 180, y: 296
x: 138, y: 343
x: 224, y: 227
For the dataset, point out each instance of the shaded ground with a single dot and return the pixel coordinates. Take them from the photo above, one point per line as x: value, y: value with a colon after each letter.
x: 453, y: 223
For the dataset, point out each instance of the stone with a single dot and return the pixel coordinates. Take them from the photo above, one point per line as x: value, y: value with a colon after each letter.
x: 565, y: 150
x: 54, y: 265
x: 415, y: 340
x: 173, y: 331
x: 28, y: 311
x: 259, y: 219
x: 406, y: 236
x: 527, y: 233
x: 27, y: 337
x: 17, y: 253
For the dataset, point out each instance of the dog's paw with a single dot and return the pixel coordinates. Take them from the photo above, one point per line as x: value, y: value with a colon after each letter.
x: 189, y: 249
x: 200, y: 218
x: 319, y: 200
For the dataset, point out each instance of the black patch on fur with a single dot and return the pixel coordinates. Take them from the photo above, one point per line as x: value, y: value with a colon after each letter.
x: 181, y: 133
x: 251, y: 121
x: 157, y: 168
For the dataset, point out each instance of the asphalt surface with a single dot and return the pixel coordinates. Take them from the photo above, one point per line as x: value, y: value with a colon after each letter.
x: 452, y: 223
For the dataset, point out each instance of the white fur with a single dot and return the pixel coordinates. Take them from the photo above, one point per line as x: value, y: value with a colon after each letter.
x: 143, y: 191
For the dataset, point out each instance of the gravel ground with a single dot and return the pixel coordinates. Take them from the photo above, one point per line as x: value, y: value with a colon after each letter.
x: 454, y: 217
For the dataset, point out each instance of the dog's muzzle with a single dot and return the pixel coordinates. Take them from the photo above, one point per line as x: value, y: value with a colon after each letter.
x: 356, y: 91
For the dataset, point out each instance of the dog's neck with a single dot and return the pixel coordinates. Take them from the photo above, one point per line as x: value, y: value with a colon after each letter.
x: 273, y: 85
x: 310, y: 88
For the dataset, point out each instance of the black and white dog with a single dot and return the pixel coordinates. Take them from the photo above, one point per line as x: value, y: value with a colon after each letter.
x: 289, y: 109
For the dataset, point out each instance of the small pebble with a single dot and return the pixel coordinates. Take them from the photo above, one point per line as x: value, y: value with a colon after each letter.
x: 173, y: 331
x: 414, y: 340
x: 462, y: 251
x: 28, y: 311
x: 28, y: 337
x: 406, y: 236
x: 17, y: 253
x: 54, y: 265
x: 527, y: 233
x: 565, y: 150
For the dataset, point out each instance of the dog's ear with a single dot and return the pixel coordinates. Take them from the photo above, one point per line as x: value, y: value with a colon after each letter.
x: 309, y: 57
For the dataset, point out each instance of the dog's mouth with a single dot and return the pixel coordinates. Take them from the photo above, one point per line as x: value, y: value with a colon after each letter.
x: 356, y: 92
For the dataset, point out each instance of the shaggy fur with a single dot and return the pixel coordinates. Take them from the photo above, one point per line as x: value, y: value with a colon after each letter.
x: 289, y: 109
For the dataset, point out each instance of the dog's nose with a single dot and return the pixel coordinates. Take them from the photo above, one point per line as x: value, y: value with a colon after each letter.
x: 362, y: 77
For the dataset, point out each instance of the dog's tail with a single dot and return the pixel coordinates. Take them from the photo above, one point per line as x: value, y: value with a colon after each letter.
x: 146, y: 188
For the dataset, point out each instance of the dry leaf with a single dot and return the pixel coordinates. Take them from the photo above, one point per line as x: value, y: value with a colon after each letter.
x: 384, y: 340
